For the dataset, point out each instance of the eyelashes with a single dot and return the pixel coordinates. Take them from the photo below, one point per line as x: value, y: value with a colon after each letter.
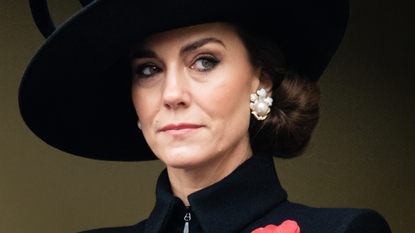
x: 146, y: 70
x: 204, y: 63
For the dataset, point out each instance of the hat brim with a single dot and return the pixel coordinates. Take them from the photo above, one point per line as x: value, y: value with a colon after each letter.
x: 76, y: 92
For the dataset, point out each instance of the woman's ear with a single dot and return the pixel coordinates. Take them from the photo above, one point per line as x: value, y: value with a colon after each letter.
x: 265, y: 82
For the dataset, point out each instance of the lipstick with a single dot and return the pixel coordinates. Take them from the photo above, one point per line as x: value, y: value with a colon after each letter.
x: 179, y: 129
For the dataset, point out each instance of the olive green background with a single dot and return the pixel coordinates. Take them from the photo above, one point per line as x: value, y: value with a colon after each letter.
x: 362, y: 153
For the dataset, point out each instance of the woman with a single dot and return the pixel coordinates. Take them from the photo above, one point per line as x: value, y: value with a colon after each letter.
x: 213, y: 95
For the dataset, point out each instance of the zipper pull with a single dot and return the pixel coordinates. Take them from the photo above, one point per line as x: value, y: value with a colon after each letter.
x: 187, y: 219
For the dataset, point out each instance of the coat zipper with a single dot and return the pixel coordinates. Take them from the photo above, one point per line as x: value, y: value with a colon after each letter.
x: 187, y: 219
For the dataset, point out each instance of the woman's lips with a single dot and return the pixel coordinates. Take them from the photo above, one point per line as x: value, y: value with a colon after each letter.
x: 179, y: 129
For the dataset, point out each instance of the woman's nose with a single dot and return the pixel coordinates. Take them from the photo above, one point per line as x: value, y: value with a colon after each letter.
x: 175, y: 93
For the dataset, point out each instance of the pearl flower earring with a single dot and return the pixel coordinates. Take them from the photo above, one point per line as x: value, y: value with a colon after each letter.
x: 260, y: 104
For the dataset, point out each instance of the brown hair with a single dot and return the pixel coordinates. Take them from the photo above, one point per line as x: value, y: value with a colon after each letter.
x: 295, y: 110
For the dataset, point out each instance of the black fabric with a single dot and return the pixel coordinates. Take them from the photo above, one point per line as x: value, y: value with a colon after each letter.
x: 250, y: 198
x: 76, y: 92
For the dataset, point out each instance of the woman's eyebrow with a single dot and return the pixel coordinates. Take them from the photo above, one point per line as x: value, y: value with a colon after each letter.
x: 199, y: 43
x: 143, y: 53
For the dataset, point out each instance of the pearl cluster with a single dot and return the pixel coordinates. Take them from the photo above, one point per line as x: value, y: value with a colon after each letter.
x: 260, y: 104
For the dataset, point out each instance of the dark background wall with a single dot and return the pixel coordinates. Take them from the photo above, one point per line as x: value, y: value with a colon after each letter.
x: 362, y: 154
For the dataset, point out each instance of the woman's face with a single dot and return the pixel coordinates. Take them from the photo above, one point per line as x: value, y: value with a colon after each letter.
x: 191, y: 91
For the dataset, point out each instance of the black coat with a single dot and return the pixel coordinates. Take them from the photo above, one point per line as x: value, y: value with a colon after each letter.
x: 249, y: 198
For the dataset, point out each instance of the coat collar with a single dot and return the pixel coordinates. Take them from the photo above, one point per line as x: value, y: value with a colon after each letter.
x: 229, y: 205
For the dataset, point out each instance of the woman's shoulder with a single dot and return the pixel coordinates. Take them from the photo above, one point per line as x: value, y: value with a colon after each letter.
x: 337, y: 220
x: 309, y: 219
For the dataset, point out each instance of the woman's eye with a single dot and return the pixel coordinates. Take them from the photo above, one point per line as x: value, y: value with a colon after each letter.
x: 205, y: 64
x: 149, y: 70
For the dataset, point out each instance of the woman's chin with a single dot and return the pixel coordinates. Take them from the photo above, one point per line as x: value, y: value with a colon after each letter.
x: 182, y: 158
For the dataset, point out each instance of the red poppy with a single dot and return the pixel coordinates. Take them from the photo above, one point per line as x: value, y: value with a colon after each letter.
x: 287, y: 226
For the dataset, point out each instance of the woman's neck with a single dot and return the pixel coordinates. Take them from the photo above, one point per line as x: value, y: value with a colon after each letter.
x: 185, y: 181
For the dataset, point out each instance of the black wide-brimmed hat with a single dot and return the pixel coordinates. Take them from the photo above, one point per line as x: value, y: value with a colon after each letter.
x: 76, y: 92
